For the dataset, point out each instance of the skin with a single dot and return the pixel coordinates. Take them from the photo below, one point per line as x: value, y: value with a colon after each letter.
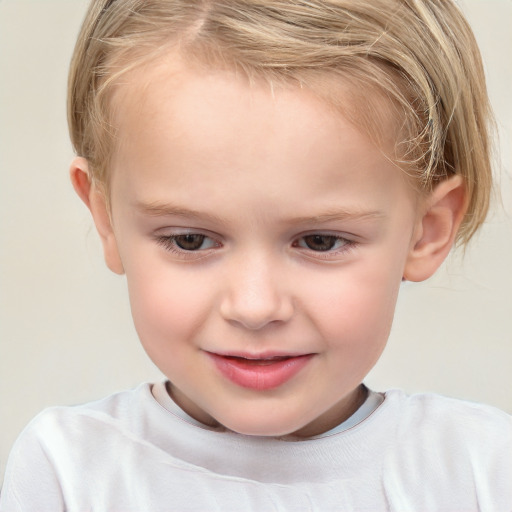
x: 256, y: 172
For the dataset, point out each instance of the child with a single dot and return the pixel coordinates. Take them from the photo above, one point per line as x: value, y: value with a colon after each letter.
x: 266, y: 174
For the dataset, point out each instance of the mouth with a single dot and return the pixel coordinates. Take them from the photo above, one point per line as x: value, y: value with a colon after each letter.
x: 259, y: 372
x: 264, y: 361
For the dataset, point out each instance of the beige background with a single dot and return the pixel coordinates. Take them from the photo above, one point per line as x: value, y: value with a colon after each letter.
x: 66, y: 334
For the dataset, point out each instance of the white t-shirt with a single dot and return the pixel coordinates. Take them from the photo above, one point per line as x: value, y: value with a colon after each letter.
x: 135, y: 451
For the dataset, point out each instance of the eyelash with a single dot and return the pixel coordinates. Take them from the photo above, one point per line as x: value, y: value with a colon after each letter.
x: 168, y: 242
x: 346, y: 245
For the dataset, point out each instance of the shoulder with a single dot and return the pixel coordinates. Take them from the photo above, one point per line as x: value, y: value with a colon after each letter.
x: 75, y: 452
x: 432, y: 413
x: 452, y: 447
x: 448, y: 451
x: 476, y: 430
x: 57, y: 427
x: 61, y: 438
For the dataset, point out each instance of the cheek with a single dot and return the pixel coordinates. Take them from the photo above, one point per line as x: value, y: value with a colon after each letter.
x: 167, y: 313
x: 355, y: 324
x: 165, y: 305
x: 357, y: 312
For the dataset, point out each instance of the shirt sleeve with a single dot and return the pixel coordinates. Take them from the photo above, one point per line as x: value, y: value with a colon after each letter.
x: 31, y: 483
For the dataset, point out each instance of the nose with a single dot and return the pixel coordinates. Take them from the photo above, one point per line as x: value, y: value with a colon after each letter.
x: 255, y: 295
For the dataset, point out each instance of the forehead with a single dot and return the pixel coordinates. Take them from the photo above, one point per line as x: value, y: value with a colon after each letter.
x: 196, y: 97
x: 196, y: 135
x: 364, y: 105
x: 187, y: 99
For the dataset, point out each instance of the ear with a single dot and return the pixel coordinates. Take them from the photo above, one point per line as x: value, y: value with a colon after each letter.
x: 94, y: 199
x: 436, y: 229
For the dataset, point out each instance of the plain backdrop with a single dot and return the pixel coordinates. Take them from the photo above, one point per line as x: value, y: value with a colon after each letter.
x: 65, y: 329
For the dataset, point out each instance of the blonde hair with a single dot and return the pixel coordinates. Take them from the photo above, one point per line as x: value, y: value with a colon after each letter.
x: 419, y: 54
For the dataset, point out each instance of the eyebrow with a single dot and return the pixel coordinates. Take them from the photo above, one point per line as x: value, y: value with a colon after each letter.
x: 156, y: 209
x: 339, y: 214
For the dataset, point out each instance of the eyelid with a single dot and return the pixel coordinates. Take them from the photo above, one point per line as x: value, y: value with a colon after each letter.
x: 166, y: 238
x: 349, y: 237
x: 350, y: 243
x: 173, y: 231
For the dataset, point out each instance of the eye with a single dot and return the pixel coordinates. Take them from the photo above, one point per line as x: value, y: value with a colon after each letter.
x: 321, y: 243
x: 325, y: 246
x: 187, y: 242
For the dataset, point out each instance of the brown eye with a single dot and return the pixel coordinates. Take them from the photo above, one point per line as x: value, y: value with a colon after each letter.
x: 320, y: 242
x: 189, y: 242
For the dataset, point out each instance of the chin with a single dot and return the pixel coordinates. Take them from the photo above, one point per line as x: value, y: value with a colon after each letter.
x: 259, y: 428
x: 263, y: 431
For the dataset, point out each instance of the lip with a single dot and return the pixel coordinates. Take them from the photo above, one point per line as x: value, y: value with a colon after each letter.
x: 259, y: 372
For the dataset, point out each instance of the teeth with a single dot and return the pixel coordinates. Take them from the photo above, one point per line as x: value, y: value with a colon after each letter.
x: 262, y: 362
x: 261, y: 359
x: 275, y: 358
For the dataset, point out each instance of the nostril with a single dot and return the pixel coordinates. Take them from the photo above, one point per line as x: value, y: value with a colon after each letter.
x: 254, y: 294
x: 256, y: 315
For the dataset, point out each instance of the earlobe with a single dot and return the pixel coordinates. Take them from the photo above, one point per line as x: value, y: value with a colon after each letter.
x: 94, y: 199
x: 436, y: 229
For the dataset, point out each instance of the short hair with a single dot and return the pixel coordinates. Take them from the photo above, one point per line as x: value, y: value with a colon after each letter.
x: 421, y: 55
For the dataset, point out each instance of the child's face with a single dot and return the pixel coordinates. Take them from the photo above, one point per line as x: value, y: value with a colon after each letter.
x: 264, y: 240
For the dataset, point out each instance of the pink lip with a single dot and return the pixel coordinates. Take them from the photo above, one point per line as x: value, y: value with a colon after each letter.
x: 259, y: 372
